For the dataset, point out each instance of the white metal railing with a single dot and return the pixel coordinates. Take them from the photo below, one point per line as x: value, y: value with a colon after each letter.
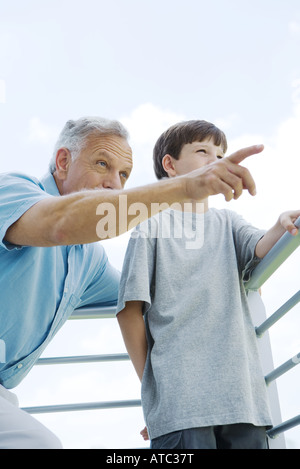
x: 271, y: 262
x: 277, y: 255
x: 85, y: 313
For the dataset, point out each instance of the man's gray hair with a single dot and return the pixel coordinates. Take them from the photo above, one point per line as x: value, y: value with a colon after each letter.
x: 75, y: 133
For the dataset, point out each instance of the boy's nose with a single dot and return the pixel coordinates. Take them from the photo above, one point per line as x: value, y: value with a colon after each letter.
x: 212, y: 158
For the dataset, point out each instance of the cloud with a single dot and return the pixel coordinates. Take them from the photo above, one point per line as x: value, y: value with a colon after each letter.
x: 40, y: 132
x: 148, y: 121
x: 294, y: 28
x: 296, y: 95
x: 145, y: 124
x: 275, y: 170
x: 227, y: 122
x: 2, y: 91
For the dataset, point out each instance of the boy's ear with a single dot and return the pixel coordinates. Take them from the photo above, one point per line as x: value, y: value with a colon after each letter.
x: 63, y: 161
x: 168, y: 165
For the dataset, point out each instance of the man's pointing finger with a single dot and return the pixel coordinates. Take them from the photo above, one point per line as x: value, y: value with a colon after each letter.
x: 240, y: 155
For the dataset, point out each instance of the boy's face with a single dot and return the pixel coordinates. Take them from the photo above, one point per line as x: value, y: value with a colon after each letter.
x: 193, y: 156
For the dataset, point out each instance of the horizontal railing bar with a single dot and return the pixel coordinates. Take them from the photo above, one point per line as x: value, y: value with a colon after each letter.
x: 282, y: 369
x: 83, y: 359
x: 285, y: 308
x: 94, y: 312
x: 275, y: 257
x: 83, y: 406
x: 282, y: 427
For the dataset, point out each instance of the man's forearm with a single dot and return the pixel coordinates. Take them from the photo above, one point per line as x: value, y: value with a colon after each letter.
x: 116, y: 212
x: 93, y: 215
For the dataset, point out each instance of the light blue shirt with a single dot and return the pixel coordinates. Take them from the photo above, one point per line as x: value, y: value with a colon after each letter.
x: 41, y: 287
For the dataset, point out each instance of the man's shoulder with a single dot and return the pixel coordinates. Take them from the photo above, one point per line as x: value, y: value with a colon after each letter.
x: 11, y: 178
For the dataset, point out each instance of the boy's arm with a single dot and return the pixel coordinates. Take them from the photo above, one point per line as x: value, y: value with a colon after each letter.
x: 133, y: 330
x: 285, y: 223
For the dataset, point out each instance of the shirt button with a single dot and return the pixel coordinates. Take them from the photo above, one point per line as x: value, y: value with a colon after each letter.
x: 20, y: 365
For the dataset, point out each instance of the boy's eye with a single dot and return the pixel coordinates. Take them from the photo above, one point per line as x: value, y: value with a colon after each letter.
x: 220, y: 157
x: 201, y: 150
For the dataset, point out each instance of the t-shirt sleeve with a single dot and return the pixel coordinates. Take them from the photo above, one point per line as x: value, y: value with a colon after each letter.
x: 138, y: 269
x: 103, y: 289
x: 246, y: 238
x: 18, y: 193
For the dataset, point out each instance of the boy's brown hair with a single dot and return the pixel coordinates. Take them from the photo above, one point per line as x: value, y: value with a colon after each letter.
x: 173, y: 139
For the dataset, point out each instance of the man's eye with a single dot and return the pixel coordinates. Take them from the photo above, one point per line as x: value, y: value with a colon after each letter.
x: 102, y: 163
x: 124, y: 175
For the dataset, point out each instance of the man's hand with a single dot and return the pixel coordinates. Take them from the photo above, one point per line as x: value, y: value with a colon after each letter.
x: 73, y: 218
x: 225, y: 177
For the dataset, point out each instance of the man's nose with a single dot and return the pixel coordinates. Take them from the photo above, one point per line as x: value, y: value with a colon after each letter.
x: 112, y: 181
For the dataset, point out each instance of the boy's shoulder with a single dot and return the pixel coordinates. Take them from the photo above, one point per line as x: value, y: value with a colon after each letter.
x: 225, y: 213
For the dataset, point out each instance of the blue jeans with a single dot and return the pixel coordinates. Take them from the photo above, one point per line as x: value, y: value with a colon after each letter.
x: 235, y: 436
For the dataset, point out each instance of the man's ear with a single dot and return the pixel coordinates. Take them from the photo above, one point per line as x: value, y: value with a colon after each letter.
x: 63, y: 161
x: 168, y: 165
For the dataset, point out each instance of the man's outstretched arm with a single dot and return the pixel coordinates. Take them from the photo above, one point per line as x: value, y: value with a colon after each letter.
x: 74, y: 218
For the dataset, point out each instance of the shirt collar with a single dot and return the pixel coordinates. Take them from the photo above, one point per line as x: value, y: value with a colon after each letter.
x: 49, y: 184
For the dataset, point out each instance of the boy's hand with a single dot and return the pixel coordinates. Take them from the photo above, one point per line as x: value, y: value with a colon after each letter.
x: 144, y: 434
x: 287, y: 221
x: 225, y: 177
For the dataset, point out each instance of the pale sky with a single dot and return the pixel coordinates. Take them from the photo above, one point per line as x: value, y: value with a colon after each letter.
x: 150, y: 64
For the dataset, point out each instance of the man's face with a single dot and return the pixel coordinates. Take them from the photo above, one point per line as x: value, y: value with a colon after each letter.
x: 196, y: 155
x: 104, y: 163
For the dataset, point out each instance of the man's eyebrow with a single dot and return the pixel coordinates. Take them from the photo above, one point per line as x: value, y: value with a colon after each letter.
x: 104, y: 153
x: 109, y: 156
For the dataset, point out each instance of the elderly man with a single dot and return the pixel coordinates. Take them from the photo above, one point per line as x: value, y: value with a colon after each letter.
x: 50, y: 260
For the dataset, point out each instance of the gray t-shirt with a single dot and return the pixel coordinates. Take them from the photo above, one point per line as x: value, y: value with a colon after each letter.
x: 203, y: 366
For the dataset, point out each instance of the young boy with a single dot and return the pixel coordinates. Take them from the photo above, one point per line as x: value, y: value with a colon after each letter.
x: 183, y: 310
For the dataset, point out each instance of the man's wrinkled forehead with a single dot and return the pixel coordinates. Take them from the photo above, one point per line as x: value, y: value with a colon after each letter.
x: 113, y: 144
